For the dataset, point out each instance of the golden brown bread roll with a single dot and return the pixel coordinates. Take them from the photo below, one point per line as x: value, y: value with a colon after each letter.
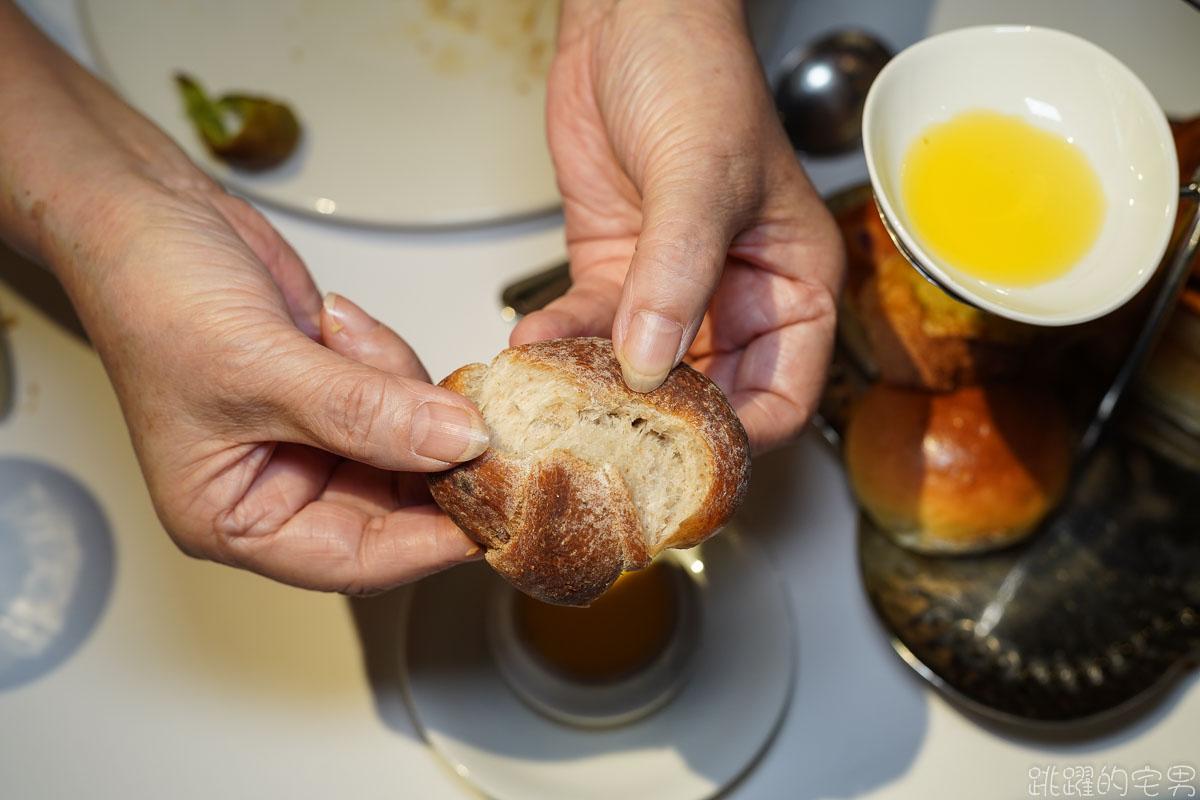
x: 585, y: 478
x: 910, y: 331
x: 957, y: 472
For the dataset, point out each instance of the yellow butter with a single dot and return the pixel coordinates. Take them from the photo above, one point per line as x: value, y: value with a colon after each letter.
x: 1000, y: 199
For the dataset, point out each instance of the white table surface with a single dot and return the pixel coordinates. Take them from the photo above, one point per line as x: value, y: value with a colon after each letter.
x: 203, y: 681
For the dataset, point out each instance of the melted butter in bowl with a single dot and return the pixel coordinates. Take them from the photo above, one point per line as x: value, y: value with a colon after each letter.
x: 1001, y: 199
x: 1025, y: 170
x: 611, y: 663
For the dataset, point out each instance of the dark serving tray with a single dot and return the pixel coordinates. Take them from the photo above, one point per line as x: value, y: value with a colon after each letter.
x: 1085, y: 619
x: 1088, y: 616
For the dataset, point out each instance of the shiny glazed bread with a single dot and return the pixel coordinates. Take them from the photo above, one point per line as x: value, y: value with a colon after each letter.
x: 958, y: 472
x: 911, y: 332
x: 586, y: 478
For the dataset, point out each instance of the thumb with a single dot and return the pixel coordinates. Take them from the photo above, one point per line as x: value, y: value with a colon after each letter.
x: 365, y: 414
x: 676, y: 266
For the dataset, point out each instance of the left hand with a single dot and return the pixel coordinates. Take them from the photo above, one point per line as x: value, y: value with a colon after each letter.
x: 690, y: 225
x: 275, y: 433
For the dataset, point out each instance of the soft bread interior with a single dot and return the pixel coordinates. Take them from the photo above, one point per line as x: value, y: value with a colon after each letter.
x: 533, y: 410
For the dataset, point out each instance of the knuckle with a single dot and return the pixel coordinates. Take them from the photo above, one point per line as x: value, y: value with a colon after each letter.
x: 351, y: 413
x: 682, y: 261
x: 816, y: 302
x: 796, y: 301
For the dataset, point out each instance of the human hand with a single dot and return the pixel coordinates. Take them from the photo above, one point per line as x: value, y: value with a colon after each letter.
x: 690, y: 226
x: 275, y: 433
x: 262, y: 448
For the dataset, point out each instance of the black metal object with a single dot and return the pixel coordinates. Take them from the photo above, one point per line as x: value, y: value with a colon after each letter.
x: 1077, y: 623
x: 537, y: 290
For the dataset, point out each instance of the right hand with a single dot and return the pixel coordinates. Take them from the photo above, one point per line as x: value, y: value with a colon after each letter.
x: 691, y: 227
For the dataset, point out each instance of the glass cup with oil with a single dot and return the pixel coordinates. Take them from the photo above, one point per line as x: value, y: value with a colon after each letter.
x: 1024, y: 170
x: 609, y: 664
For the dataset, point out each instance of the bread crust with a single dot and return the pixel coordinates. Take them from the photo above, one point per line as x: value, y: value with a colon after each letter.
x: 562, y: 529
x: 960, y: 472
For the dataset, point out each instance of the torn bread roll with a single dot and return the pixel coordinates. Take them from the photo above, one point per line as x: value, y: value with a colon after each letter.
x: 586, y: 478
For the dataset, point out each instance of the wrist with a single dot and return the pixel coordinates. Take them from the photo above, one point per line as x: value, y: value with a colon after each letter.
x: 74, y: 158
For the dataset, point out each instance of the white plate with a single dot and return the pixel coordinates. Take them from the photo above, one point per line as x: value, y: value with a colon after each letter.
x: 704, y: 739
x: 56, y: 568
x: 415, y: 113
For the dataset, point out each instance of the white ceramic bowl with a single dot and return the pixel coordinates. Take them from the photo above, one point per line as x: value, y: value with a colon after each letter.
x: 1059, y: 83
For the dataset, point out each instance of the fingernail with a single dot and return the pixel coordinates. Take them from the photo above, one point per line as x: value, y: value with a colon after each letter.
x: 345, y: 315
x: 448, y: 433
x: 648, y: 352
